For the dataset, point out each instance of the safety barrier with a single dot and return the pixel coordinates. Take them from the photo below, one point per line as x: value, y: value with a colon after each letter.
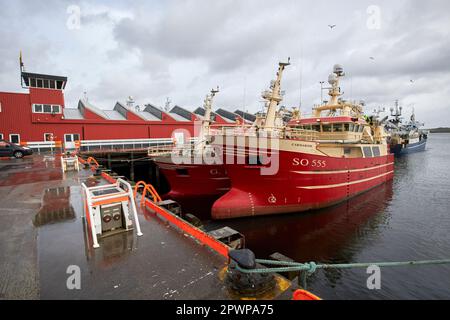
x: 149, y: 188
x: 204, y: 238
x: 304, y: 295
x: 127, y: 144
x: 43, y: 146
x: 90, y: 160
x: 195, y: 232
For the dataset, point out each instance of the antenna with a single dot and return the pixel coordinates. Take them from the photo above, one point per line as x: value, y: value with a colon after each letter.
x: 167, y: 104
x: 130, y: 102
x: 301, y: 74
x: 22, y: 68
x: 245, y: 92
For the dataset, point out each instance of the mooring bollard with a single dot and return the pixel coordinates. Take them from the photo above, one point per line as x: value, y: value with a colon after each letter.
x: 248, y: 284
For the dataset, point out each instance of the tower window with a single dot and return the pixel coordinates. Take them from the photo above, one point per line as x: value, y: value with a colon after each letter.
x: 38, y: 108
x: 46, y: 108
x: 39, y: 83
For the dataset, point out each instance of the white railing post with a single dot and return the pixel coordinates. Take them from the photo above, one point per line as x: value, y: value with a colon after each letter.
x: 91, y: 216
x: 133, y: 205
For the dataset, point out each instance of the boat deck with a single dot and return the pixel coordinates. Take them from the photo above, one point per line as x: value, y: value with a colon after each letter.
x: 42, y: 233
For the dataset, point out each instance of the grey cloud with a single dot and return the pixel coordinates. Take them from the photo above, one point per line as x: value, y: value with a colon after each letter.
x: 180, y: 49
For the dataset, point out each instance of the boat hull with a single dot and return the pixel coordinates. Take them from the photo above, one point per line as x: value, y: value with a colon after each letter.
x: 400, y: 149
x: 188, y: 181
x: 298, y: 185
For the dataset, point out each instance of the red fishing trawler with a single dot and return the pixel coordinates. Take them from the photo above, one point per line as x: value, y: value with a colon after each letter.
x: 188, y: 175
x: 308, y: 164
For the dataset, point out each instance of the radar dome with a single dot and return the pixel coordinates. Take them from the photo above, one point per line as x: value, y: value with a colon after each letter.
x: 332, y: 78
x: 338, y: 69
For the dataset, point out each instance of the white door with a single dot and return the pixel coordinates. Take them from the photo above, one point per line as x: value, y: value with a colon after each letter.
x: 179, y: 138
x: 69, y: 140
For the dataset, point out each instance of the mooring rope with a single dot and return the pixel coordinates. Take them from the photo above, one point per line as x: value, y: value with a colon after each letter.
x: 311, y: 267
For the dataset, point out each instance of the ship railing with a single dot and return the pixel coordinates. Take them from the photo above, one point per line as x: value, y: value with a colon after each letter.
x: 275, y: 132
x: 127, y: 144
x: 303, y: 134
x: 234, y: 130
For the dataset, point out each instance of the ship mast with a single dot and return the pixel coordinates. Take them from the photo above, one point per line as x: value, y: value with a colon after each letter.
x: 333, y: 80
x: 204, y: 130
x: 274, y: 97
x: 334, y: 92
x: 396, y: 113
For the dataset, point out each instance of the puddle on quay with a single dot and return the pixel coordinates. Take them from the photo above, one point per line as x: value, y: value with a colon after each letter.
x: 56, y: 207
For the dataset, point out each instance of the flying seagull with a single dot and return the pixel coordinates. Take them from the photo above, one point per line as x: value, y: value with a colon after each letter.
x: 411, y: 81
x: 371, y: 58
x: 332, y: 26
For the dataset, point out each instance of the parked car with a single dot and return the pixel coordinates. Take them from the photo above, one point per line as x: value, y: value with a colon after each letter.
x: 8, y: 149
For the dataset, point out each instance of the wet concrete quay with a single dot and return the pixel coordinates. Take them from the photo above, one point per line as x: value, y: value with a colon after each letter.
x: 42, y: 234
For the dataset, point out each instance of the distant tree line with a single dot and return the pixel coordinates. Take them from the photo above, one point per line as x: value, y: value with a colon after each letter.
x: 440, y: 130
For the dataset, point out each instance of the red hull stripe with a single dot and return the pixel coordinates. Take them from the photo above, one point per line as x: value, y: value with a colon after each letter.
x: 344, y: 171
x: 347, y: 183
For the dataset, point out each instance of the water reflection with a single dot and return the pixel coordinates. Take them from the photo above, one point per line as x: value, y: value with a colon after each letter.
x: 56, y: 207
x: 113, y: 248
x: 323, y: 235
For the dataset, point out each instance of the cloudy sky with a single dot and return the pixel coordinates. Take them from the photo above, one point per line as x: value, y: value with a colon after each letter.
x: 156, y: 49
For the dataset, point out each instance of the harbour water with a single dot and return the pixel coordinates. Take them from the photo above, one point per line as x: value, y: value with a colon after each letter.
x: 407, y: 219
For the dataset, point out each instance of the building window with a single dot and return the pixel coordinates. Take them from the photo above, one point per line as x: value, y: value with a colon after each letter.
x: 45, y: 83
x: 46, y: 108
x: 14, y: 138
x: 48, y: 137
x: 37, y: 108
x: 1, y: 136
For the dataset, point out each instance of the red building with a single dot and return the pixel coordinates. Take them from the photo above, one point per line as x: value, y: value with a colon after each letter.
x: 41, y: 116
